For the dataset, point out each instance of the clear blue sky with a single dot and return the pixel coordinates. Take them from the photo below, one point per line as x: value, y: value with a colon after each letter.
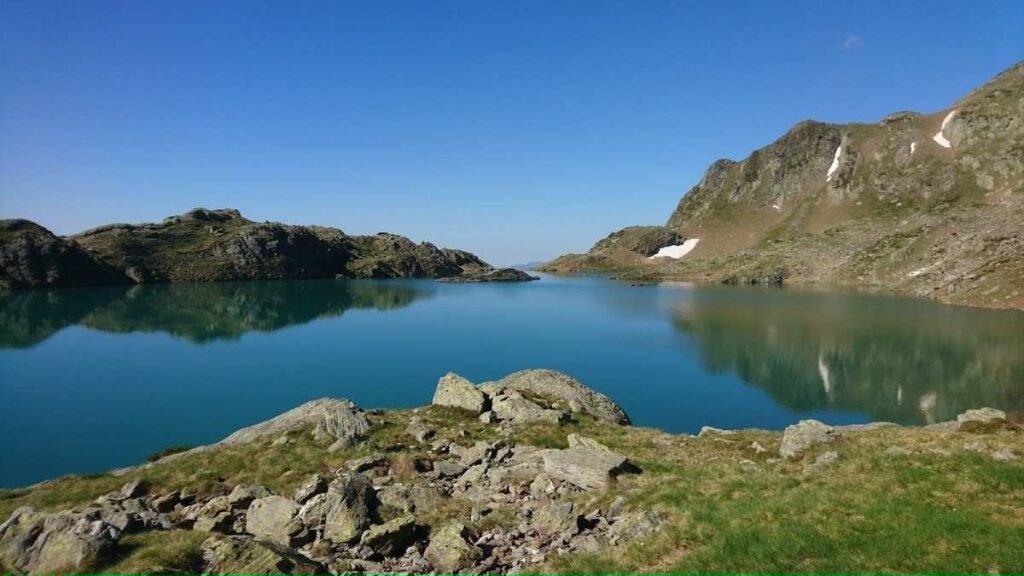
x: 518, y: 130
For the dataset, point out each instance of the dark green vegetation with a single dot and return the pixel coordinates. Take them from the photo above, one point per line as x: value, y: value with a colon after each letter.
x: 211, y: 245
x: 899, y: 211
x: 896, y: 499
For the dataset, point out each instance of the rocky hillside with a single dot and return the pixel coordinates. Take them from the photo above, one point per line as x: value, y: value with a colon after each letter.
x: 923, y: 204
x: 211, y: 245
x: 536, y: 473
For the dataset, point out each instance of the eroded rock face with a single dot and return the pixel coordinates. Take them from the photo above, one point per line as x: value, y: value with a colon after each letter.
x: 338, y: 418
x: 559, y: 386
x: 799, y: 437
x: 457, y: 392
x: 348, y: 505
x: 245, y: 555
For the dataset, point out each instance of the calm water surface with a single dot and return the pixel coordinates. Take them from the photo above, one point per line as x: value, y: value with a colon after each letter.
x: 92, y: 379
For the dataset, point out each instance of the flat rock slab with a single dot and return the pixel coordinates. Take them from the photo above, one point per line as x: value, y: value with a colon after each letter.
x: 245, y: 555
x: 587, y: 468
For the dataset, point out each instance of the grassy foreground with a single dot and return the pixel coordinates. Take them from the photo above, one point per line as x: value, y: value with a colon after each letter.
x: 948, y: 506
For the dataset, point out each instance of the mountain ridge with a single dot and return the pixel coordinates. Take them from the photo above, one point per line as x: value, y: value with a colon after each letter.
x: 213, y: 245
x: 927, y: 205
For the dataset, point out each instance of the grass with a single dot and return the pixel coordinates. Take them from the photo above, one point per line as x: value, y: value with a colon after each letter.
x: 728, y: 507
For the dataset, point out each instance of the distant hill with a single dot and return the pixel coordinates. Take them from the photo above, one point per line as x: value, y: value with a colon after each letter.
x: 209, y: 245
x: 926, y: 205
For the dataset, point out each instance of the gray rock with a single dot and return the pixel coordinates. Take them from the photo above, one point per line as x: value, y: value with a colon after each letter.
x: 338, y: 418
x: 556, y: 518
x: 457, y: 392
x: 366, y: 462
x: 801, y: 436
x: 36, y: 542
x: 577, y: 441
x: 349, y: 504
x: 981, y: 420
x: 513, y: 407
x: 488, y: 417
x: 274, y: 519
x: 450, y: 551
x: 244, y: 494
x: 418, y: 430
x: 558, y: 386
x: 712, y: 431
x: 584, y: 467
x: 638, y: 525
x: 245, y: 555
x: 391, y: 537
x: 446, y: 469
x: 134, y: 489
x: 316, y: 484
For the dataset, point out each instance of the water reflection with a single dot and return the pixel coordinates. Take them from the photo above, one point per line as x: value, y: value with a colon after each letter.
x: 198, y: 313
x: 894, y: 359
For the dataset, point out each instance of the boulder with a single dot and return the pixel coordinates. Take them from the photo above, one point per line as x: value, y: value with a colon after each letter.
x: 348, y: 505
x: 244, y: 494
x: 366, y: 462
x: 457, y: 392
x: 338, y: 418
x: 36, y: 542
x: 316, y: 484
x: 513, y: 407
x: 981, y: 420
x: 556, y: 518
x: 134, y: 489
x: 418, y: 498
x: 584, y: 467
x: 391, y: 537
x: 245, y: 555
x: 450, y: 550
x: 638, y: 525
x: 274, y: 519
x: 558, y: 386
x: 801, y: 436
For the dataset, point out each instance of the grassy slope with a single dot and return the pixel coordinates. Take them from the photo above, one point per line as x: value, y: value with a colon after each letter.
x: 729, y: 508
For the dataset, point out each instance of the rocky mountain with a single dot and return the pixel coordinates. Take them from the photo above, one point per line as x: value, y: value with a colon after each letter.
x: 922, y: 204
x: 212, y: 245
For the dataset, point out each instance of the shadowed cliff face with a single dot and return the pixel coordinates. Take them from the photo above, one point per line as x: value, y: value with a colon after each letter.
x: 199, y: 313
x: 892, y: 359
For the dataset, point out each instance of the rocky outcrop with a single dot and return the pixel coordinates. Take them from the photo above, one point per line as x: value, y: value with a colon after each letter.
x: 210, y: 245
x: 246, y: 555
x: 339, y: 419
x: 491, y: 275
x: 981, y: 420
x: 457, y: 392
x: 553, y: 396
x: 801, y: 436
x: 31, y: 256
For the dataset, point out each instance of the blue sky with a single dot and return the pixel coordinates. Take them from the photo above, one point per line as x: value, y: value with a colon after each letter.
x: 518, y: 130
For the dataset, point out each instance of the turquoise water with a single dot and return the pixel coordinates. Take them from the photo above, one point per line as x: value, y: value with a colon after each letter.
x: 92, y: 379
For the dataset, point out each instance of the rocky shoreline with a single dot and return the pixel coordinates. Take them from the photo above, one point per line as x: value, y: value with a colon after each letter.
x: 452, y: 487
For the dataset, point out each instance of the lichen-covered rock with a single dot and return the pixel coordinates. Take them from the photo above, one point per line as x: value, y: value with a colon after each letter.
x: 981, y: 420
x: 584, y: 467
x: 274, y: 519
x: 316, y: 484
x: 450, y: 550
x: 391, y: 537
x: 561, y: 387
x: 556, y: 518
x: 457, y: 392
x: 245, y: 555
x: 339, y: 418
x: 800, y: 436
x: 38, y: 542
x: 243, y: 495
x: 513, y: 407
x: 348, y: 506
